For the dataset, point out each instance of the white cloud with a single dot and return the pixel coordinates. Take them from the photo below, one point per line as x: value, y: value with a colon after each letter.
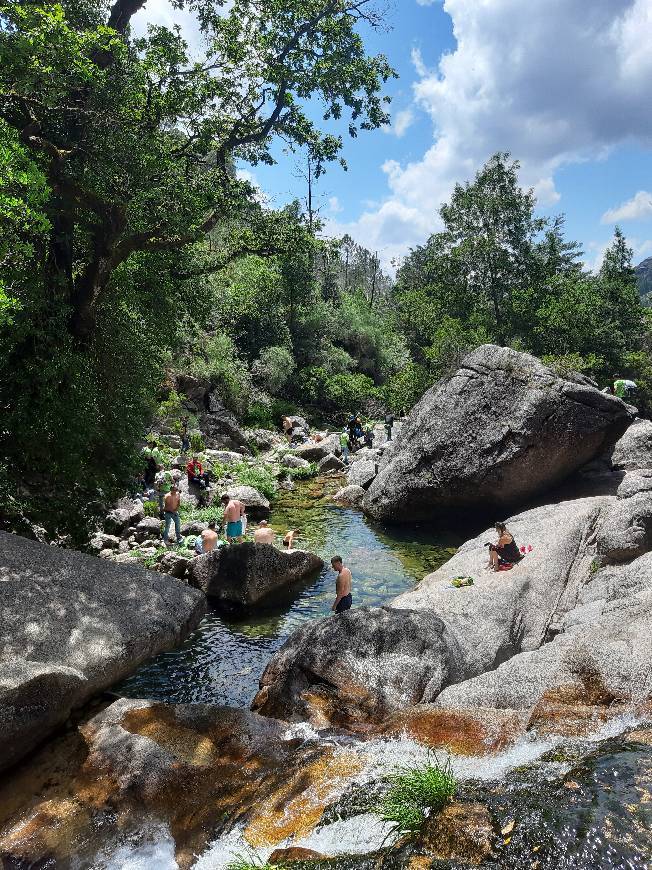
x: 552, y: 81
x: 334, y: 205
x: 401, y: 122
x: 161, y: 12
x: 639, y: 207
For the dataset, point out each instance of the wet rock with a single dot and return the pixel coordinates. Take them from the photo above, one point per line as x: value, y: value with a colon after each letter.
x: 256, y: 503
x: 331, y: 463
x: 474, y: 732
x: 460, y: 832
x: 71, y: 626
x: 358, y: 667
x: 293, y: 854
x: 350, y: 495
x: 241, y: 575
x: 362, y: 473
x: 148, y: 528
x: 50, y: 833
x: 292, y: 461
x: 502, y: 429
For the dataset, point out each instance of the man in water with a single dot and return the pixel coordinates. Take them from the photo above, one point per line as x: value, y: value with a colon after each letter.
x: 209, y: 538
x: 288, y: 540
x: 171, y: 504
x: 344, y: 600
x: 263, y: 534
x: 233, y: 511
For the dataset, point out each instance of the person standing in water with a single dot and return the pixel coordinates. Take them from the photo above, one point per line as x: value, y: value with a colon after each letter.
x: 344, y: 599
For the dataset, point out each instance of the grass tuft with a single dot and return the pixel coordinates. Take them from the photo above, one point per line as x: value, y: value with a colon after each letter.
x: 417, y: 792
x: 248, y: 862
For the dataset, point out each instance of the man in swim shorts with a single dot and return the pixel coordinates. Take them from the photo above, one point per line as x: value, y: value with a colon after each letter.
x: 344, y: 599
x: 233, y: 511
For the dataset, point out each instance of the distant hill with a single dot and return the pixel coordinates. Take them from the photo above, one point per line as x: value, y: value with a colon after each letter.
x: 644, y: 277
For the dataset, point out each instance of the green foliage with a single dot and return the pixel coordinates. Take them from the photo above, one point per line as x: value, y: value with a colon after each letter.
x: 406, y: 387
x: 249, y: 862
x: 258, y: 476
x: 415, y: 792
x: 196, y: 442
x: 302, y: 473
x: 273, y: 369
x: 207, y: 514
x: 341, y: 392
x: 151, y: 508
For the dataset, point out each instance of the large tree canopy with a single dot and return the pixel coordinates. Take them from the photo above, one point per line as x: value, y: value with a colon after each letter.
x: 119, y: 190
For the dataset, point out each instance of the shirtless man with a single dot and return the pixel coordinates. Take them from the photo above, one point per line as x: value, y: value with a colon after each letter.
x: 171, y: 504
x: 344, y: 599
x: 233, y: 511
x: 209, y: 538
x: 288, y: 540
x: 263, y: 534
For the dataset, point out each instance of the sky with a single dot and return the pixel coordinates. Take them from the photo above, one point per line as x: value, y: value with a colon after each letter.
x: 563, y: 85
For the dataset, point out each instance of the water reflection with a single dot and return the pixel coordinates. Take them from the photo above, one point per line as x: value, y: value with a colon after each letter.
x: 223, y: 660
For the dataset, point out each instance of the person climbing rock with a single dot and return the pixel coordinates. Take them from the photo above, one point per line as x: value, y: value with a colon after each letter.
x: 171, y: 514
x: 233, y: 511
x: 196, y: 473
x: 505, y: 552
x: 344, y: 599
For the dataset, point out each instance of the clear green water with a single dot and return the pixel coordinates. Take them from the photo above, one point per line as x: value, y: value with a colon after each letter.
x: 224, y: 659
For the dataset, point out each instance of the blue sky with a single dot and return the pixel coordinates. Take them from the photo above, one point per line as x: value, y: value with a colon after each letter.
x: 564, y: 85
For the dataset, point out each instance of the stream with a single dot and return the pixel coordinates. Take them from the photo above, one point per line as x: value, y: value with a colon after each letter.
x: 223, y: 660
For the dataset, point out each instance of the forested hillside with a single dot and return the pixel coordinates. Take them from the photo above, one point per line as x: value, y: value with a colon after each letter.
x: 644, y: 278
x: 131, y: 247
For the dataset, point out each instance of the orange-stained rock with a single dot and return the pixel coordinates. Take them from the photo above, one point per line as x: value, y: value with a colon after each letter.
x: 578, y: 711
x: 472, y: 731
x: 294, y: 853
x: 49, y: 833
x: 460, y: 832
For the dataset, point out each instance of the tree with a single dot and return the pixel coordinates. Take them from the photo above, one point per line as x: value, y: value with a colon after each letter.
x: 133, y: 148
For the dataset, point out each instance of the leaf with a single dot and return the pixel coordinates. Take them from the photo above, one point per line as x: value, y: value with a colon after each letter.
x: 509, y: 827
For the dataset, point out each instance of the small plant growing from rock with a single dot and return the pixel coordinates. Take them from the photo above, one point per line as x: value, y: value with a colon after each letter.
x: 196, y: 442
x: 248, y: 862
x: 417, y: 792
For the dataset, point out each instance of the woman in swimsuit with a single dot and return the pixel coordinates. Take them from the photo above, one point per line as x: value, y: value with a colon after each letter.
x: 506, y: 551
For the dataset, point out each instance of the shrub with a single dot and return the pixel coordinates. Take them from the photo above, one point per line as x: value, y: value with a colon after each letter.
x: 150, y: 508
x: 259, y: 477
x: 416, y: 792
x: 302, y: 473
x: 218, y: 361
x: 196, y: 442
x: 405, y: 388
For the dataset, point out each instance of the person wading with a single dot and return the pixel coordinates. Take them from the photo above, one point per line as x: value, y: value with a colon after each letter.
x: 233, y: 511
x: 171, y: 514
x: 263, y: 534
x: 209, y: 538
x: 344, y: 599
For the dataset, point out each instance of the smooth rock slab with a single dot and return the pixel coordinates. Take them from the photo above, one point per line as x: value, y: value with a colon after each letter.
x: 256, y: 503
x: 501, y: 430
x: 362, y: 473
x: 71, y: 625
x: 241, y: 575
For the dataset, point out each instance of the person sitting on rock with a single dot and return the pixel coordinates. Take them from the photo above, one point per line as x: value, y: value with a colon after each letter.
x: 506, y: 552
x: 344, y: 599
x: 196, y: 473
x: 263, y: 534
x: 209, y: 538
x: 171, y: 514
x: 233, y: 511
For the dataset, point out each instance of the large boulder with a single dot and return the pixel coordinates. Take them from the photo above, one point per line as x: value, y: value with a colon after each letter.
x: 331, y: 463
x: 502, y: 429
x: 243, y: 574
x: 147, y: 529
x: 362, y: 473
x: 358, y: 667
x: 220, y: 427
x: 292, y: 461
x: 351, y: 496
x: 314, y: 451
x: 634, y: 449
x: 255, y: 502
x: 71, y: 625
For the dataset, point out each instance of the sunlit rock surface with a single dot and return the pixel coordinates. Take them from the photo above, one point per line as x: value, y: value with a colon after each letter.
x: 70, y: 626
x: 502, y: 429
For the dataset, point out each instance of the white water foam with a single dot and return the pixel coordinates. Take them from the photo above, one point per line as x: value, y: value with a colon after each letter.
x: 153, y: 849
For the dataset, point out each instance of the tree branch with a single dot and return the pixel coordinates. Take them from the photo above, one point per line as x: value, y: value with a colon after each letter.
x: 122, y: 12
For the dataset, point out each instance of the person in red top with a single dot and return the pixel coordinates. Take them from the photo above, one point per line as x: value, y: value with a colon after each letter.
x: 196, y: 473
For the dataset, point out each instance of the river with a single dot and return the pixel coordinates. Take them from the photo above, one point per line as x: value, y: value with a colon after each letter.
x: 222, y: 661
